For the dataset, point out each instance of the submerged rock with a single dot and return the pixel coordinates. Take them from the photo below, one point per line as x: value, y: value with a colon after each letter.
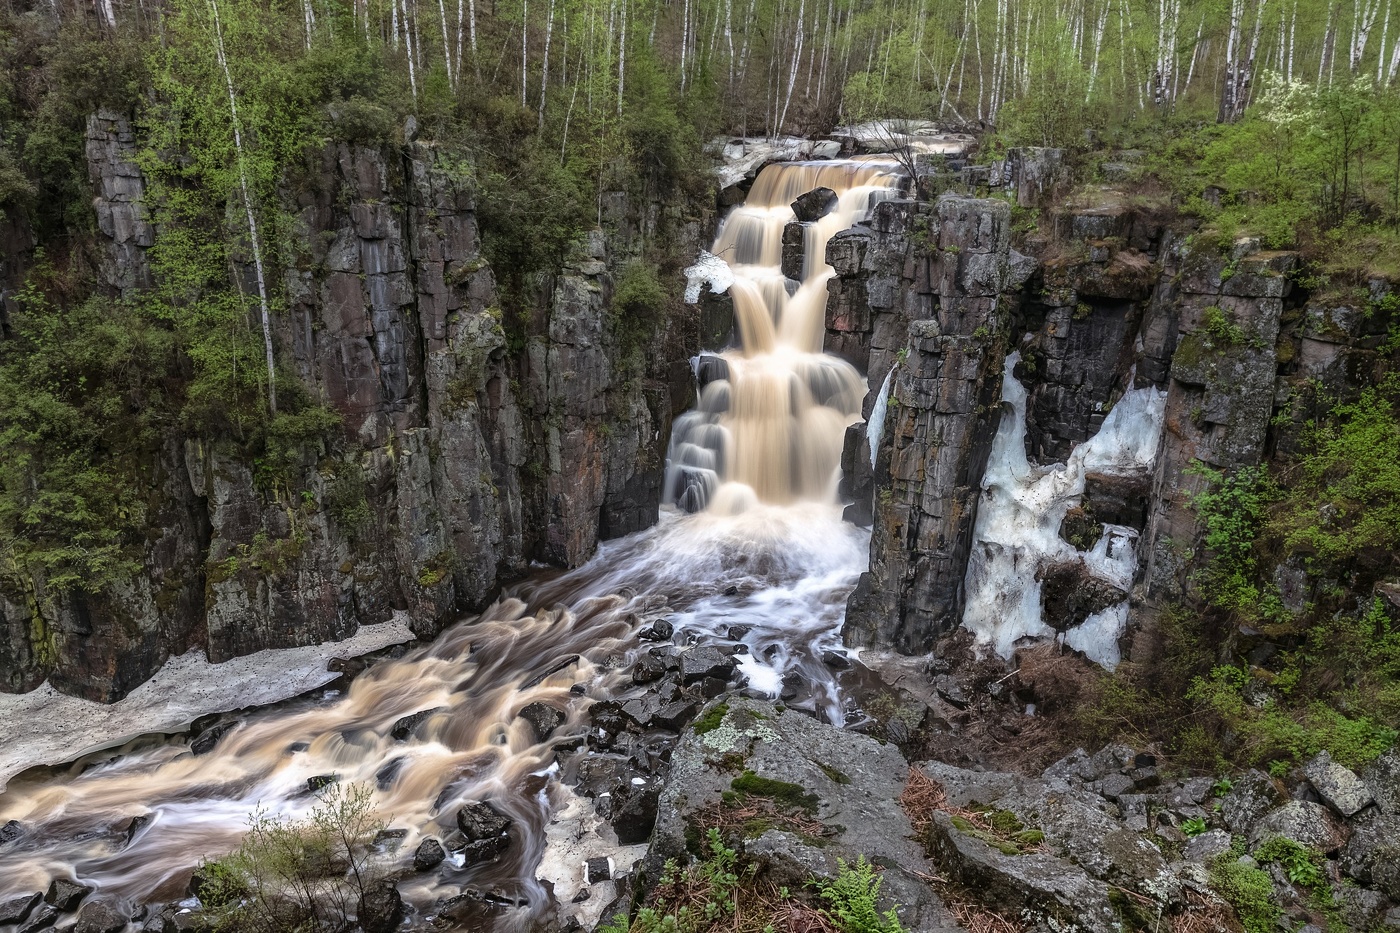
x: 486, y: 830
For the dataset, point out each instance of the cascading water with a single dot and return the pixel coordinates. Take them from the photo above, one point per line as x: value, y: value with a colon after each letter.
x: 770, y: 428
x: 768, y: 565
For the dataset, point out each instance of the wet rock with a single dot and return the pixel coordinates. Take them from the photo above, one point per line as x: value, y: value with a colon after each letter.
x: 543, y: 719
x: 793, y: 251
x: 204, y: 743
x: 673, y: 716
x: 597, y: 870
x: 1338, y: 786
x: 1069, y: 594
x: 814, y: 205
x: 404, y: 727
x: 793, y: 685
x: 321, y: 781
x: 705, y: 661
x: 650, y: 667
x: 662, y: 630
x: 16, y: 909
x: 1253, y: 795
x: 836, y: 660
x: 712, y: 687
x: 388, y: 773
x: 635, y: 811
x: 100, y: 917
x: 428, y: 855
x: 41, y: 919
x: 65, y: 894
x: 135, y: 826
x: 11, y: 831
x: 1308, y: 824
x: 381, y: 908
x: 560, y: 665
x: 486, y: 830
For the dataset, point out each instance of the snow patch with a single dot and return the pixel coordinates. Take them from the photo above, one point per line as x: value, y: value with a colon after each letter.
x: 709, y: 270
x: 1018, y: 522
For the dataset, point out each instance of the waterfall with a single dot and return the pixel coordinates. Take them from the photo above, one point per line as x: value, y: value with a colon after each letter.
x: 1017, y: 533
x: 771, y: 429
x: 764, y: 572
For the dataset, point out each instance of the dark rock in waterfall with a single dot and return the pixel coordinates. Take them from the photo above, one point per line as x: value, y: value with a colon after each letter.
x: 710, y: 368
x: 321, y: 781
x: 135, y: 826
x: 543, y: 719
x: 793, y: 686
x: 428, y: 855
x: 814, y: 205
x: 404, y: 727
x: 486, y: 830
x: 561, y: 664
x: 705, y: 661
x: 1119, y: 500
x: 836, y: 660
x: 650, y: 667
x: 660, y: 630
x: 17, y: 909
x: 65, y: 894
x: 1069, y: 594
x: 381, y: 908
x: 634, y: 814
x: 41, y: 919
x: 100, y: 917
x: 11, y: 831
x: 204, y: 743
x: 794, y: 251
x: 596, y: 870
x: 388, y: 773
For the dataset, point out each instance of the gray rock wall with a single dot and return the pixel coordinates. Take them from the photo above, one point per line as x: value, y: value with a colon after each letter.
x: 464, y: 457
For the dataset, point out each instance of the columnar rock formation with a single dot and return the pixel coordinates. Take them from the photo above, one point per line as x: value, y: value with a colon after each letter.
x: 469, y: 452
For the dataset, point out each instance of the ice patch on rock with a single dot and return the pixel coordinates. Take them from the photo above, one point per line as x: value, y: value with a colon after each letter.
x: 709, y: 270
x: 875, y: 428
x: 1018, y: 522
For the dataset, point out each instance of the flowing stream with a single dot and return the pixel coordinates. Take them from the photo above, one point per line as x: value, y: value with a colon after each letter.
x: 758, y: 554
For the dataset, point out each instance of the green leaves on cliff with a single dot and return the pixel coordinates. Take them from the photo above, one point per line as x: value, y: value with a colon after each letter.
x: 84, y: 401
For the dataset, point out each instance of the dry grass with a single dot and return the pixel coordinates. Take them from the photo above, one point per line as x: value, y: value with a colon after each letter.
x: 1203, y: 914
x: 743, y: 816
x: 975, y: 918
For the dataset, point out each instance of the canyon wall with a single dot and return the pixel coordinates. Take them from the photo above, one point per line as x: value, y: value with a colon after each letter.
x: 467, y: 451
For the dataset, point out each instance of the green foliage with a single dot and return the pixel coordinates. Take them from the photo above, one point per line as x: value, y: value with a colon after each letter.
x: 1231, y: 511
x: 1222, y: 331
x: 1194, y: 826
x: 1247, y: 889
x: 712, y: 719
x: 83, y: 408
x: 1303, y: 866
x: 295, y: 875
x: 852, y: 897
x: 792, y: 795
x: 1343, y: 495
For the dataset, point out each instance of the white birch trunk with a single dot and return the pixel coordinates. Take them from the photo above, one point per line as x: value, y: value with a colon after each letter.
x: 544, y: 65
x: 248, y: 210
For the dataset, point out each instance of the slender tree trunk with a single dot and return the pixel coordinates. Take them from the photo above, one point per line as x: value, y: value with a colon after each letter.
x: 446, y: 46
x: 248, y: 210
x: 622, y: 59
x: 544, y: 66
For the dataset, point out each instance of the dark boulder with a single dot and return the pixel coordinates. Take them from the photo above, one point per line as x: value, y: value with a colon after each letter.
x: 405, y: 727
x: 65, y: 894
x: 543, y: 719
x: 486, y: 830
x: 381, y: 908
x: 16, y: 909
x: 814, y: 205
x: 43, y: 918
x: 428, y: 856
x: 11, y: 831
x: 651, y: 666
x: 1069, y: 594
x: 100, y: 917
x: 204, y: 743
x: 705, y: 661
x: 661, y: 629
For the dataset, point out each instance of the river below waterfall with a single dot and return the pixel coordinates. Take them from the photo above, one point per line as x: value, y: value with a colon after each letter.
x: 756, y: 560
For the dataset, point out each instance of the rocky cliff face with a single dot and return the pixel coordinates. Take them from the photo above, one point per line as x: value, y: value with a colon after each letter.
x: 467, y: 452
x: 1111, y: 301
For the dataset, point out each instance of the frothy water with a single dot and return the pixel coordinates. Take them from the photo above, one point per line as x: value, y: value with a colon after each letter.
x: 769, y: 564
x: 783, y: 574
x: 770, y: 428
